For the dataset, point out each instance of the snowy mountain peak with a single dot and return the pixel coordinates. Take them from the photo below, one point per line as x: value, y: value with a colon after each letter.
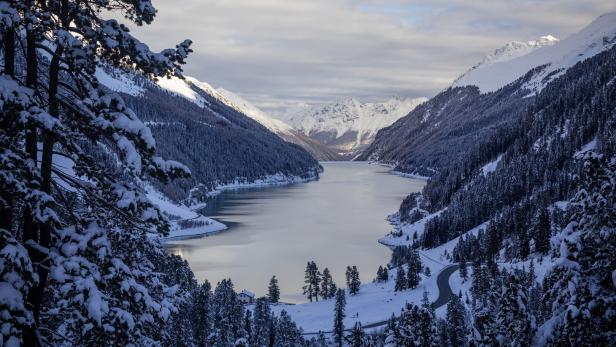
x: 506, y: 65
x: 349, y: 123
x: 275, y: 125
x: 514, y: 49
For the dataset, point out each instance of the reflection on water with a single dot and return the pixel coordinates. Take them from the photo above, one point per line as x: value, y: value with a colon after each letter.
x: 334, y: 221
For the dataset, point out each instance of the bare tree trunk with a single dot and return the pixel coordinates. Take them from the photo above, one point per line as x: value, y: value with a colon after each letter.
x: 35, y: 297
x: 30, y: 227
x: 8, y: 43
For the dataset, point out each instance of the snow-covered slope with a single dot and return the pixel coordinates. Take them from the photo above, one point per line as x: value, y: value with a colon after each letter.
x: 194, y: 90
x: 273, y: 124
x: 349, y: 124
x: 515, y: 49
x: 278, y: 127
x: 508, y: 64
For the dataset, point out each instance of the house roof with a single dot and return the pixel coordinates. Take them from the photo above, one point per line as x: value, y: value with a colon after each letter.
x: 247, y: 293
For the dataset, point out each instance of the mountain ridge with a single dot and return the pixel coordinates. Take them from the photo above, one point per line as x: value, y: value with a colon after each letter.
x: 348, y: 125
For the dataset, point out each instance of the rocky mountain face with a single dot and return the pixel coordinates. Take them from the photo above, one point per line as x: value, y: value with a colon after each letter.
x: 278, y: 127
x: 349, y: 125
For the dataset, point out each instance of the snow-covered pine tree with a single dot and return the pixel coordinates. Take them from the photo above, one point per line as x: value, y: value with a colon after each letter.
x: 202, y: 314
x: 287, y: 333
x: 385, y: 274
x: 412, y: 277
x: 428, y: 332
x: 516, y: 323
x: 312, y: 279
x: 357, y: 336
x: 408, y: 325
x: 348, y: 275
x: 379, y: 274
x: 273, y: 291
x: 355, y: 282
x: 414, y: 269
x: 542, y: 231
x: 332, y: 289
x: 582, y: 284
x: 457, y: 327
x: 248, y: 325
x: 262, y: 323
x: 401, y: 281
x: 392, y: 333
x: 523, y: 243
x: 228, y: 315
x: 326, y: 284
x: 98, y: 253
x: 463, y: 270
x: 339, y: 315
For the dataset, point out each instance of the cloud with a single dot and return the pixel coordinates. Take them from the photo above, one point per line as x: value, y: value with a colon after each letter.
x: 277, y: 53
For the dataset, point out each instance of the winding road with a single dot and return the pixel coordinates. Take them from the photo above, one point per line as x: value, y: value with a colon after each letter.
x: 444, y: 295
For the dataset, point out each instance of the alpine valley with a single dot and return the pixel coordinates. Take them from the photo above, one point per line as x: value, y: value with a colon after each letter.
x: 126, y: 186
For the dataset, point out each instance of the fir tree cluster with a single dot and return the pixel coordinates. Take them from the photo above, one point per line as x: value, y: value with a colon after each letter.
x: 321, y: 285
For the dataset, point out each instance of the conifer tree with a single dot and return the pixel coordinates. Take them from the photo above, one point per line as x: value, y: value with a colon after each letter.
x: 524, y: 244
x: 516, y: 323
x: 248, y: 325
x: 348, y: 275
x: 354, y: 283
x: 586, y: 314
x: 456, y: 322
x: 357, y: 336
x: 392, y: 333
x: 312, y: 279
x: 401, y: 281
x: 339, y: 316
x: 202, y: 319
x: 463, y: 270
x: 542, y: 232
x: 287, y: 333
x: 381, y: 274
x: 228, y: 314
x: 62, y: 108
x: 262, y: 321
x: 327, y: 283
x: 385, y: 274
x: 273, y: 291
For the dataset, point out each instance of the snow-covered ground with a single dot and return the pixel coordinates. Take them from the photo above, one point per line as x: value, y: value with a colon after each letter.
x: 491, y: 166
x: 410, y: 175
x: 278, y: 179
x: 403, y: 233
x: 375, y: 302
x: 179, y: 213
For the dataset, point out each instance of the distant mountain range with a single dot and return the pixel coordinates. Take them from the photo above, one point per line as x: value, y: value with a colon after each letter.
x: 349, y: 125
x: 278, y: 127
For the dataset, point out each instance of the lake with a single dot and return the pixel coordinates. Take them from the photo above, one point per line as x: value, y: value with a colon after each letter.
x: 334, y: 221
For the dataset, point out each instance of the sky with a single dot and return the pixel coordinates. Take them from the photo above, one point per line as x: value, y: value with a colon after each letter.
x: 282, y: 53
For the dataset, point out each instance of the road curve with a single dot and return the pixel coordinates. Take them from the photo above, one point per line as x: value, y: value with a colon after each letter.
x: 444, y: 290
x: 444, y: 295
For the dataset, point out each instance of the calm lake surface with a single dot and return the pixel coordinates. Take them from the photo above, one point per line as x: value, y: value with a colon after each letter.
x: 335, y: 221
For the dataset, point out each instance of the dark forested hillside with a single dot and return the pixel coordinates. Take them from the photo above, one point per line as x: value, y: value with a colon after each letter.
x: 538, y: 165
x: 446, y: 126
x: 217, y: 143
x: 544, y: 179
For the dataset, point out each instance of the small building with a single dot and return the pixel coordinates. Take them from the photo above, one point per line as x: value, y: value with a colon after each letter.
x: 246, y: 297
